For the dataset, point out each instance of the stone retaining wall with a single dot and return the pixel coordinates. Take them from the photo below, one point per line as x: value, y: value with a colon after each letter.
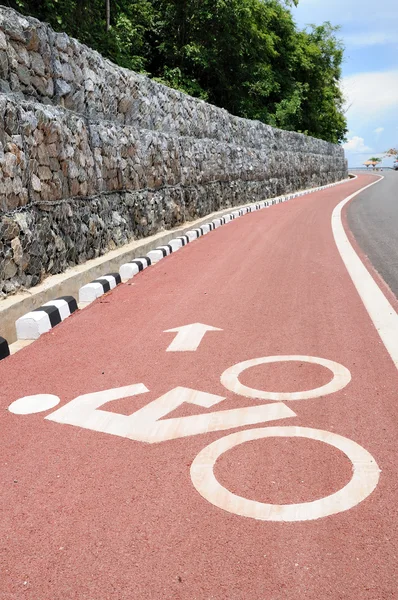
x: 92, y: 155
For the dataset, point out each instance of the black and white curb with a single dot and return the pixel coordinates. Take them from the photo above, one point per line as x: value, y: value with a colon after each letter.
x: 32, y: 325
x: 99, y: 287
x: 4, y: 348
x: 192, y: 235
x: 41, y: 320
x: 128, y: 270
x: 158, y: 253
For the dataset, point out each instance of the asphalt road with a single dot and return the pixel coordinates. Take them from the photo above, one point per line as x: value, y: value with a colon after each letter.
x: 241, y: 463
x: 373, y: 219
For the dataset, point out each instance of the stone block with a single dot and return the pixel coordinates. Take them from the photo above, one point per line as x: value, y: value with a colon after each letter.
x: 32, y: 40
x: 36, y: 183
x: 44, y: 173
x: 3, y: 41
x: 23, y: 74
x: 4, y: 68
x: 9, y: 268
x: 62, y: 88
x: 37, y: 64
x: 17, y: 250
x: 9, y: 165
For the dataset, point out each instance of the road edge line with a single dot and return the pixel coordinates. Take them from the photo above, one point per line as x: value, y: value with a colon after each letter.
x: 379, y: 309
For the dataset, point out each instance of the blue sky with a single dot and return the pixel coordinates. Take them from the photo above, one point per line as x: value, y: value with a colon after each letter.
x: 369, y: 30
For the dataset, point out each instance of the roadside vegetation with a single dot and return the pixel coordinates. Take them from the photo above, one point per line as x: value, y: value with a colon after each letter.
x: 392, y: 152
x: 247, y: 56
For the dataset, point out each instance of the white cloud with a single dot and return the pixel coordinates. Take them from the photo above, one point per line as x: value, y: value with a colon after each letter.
x: 362, y: 14
x: 368, y: 38
x: 379, y: 130
x: 356, y: 144
x: 370, y: 95
x: 370, y: 34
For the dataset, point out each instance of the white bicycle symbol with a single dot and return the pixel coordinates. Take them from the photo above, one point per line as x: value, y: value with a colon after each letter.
x: 149, y: 425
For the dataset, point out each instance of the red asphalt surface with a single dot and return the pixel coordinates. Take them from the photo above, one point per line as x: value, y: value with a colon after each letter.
x: 91, y: 516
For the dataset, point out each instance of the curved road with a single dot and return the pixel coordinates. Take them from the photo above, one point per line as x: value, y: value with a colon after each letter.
x: 373, y: 219
x: 238, y: 461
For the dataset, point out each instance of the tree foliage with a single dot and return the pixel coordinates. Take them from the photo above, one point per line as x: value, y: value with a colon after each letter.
x: 247, y: 56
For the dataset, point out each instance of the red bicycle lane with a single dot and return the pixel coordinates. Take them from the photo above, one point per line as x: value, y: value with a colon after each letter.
x: 91, y: 515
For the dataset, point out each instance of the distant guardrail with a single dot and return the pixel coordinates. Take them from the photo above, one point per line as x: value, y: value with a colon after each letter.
x: 372, y: 169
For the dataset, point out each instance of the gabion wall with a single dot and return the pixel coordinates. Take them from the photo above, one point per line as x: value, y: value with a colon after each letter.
x: 92, y: 155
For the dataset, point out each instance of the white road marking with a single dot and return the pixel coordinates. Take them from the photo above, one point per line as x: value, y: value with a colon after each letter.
x: 82, y: 411
x: 364, y: 479
x: 29, y: 405
x: 382, y: 314
x: 230, y: 378
x: 148, y: 424
x: 188, y: 337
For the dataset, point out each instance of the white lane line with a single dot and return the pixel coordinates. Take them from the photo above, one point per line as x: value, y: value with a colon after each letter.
x: 382, y: 314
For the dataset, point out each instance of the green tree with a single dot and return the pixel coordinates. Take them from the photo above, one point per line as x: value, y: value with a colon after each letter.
x: 315, y: 105
x: 392, y: 152
x: 219, y: 45
x: 247, y: 56
x: 120, y: 34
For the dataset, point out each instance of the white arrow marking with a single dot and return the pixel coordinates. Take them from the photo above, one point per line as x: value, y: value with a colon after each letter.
x: 188, y: 337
